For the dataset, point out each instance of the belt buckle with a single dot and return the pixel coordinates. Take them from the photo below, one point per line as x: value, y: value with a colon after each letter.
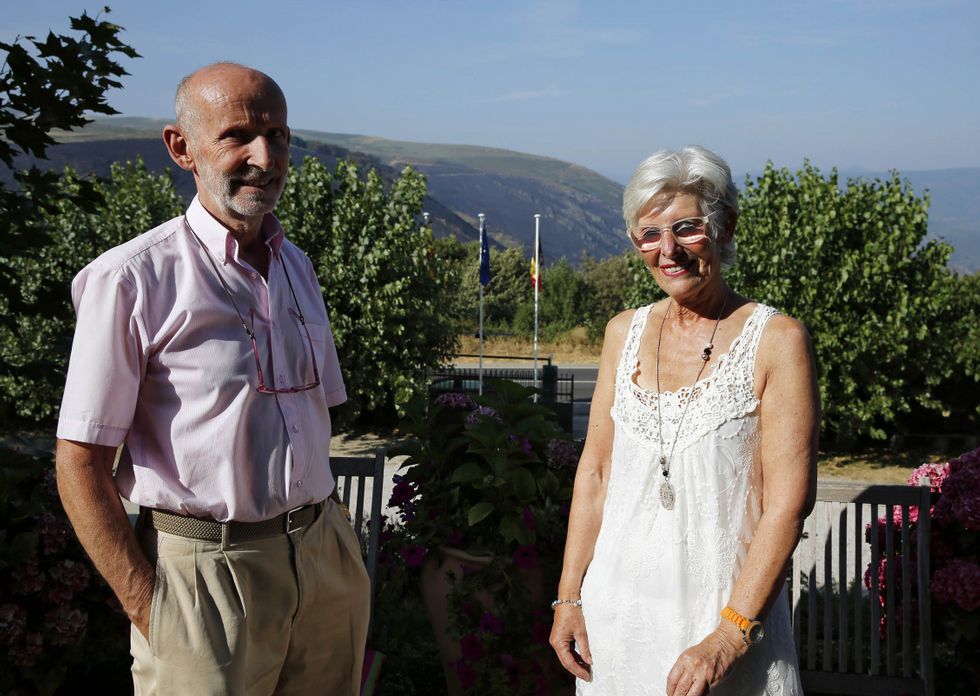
x: 292, y: 523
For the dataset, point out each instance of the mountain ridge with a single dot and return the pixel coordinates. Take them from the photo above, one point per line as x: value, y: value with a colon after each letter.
x: 580, y: 208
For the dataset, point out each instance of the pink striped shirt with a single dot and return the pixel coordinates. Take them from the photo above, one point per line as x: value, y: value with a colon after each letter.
x: 161, y: 362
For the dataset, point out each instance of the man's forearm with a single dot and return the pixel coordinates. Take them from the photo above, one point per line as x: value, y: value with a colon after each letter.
x: 92, y: 503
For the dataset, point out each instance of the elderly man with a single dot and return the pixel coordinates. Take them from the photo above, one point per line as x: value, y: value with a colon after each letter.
x: 204, y: 346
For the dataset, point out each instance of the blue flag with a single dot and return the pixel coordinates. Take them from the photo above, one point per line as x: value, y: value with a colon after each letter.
x: 484, y: 256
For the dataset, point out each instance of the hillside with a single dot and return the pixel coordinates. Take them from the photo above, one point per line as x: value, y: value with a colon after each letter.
x: 580, y: 209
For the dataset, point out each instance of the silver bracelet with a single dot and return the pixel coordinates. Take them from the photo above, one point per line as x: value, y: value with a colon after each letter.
x: 558, y: 602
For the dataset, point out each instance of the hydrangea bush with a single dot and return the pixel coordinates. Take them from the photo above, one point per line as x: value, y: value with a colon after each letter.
x: 954, y: 584
x: 59, y: 622
x: 491, y: 476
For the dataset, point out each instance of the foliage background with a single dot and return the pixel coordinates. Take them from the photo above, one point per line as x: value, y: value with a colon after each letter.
x: 896, y: 333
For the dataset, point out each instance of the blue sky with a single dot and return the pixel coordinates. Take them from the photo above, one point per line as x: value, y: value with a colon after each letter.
x: 869, y: 84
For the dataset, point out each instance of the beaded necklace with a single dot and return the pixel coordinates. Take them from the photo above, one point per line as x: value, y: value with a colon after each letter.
x: 667, y: 494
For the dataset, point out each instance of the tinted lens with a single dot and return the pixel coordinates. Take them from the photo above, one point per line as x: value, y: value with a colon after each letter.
x: 648, y: 236
x: 685, y: 229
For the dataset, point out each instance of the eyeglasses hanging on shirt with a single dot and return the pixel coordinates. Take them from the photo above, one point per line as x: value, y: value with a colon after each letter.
x: 298, y: 313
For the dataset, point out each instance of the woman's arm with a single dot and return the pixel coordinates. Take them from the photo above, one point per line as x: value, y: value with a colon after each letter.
x: 585, y: 515
x: 789, y: 425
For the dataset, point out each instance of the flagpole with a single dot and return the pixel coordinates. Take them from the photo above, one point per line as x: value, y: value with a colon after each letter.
x: 482, y: 232
x: 537, y: 284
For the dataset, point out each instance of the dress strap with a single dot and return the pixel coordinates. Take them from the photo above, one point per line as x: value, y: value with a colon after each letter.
x: 627, y: 361
x: 748, y: 342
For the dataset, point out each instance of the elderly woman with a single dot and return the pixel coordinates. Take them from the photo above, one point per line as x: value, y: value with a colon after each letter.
x: 698, y: 468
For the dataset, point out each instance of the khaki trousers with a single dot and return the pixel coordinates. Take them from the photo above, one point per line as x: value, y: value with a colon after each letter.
x: 283, y: 615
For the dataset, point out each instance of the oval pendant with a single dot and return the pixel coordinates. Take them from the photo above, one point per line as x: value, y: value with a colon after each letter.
x: 667, y: 495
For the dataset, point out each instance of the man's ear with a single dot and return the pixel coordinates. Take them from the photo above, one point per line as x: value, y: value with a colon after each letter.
x: 178, y: 147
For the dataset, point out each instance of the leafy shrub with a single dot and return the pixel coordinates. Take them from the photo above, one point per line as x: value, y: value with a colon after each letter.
x: 490, y: 475
x: 59, y: 622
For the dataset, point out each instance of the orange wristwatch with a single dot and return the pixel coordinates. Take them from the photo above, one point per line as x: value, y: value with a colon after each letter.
x: 752, y: 631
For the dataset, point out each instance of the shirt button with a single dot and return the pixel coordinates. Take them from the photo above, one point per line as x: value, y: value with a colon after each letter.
x: 255, y: 276
x: 299, y: 484
x: 295, y: 428
x: 282, y: 378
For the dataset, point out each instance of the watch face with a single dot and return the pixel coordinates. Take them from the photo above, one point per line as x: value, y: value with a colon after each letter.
x: 755, y: 632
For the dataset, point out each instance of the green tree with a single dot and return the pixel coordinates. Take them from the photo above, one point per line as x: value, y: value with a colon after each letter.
x: 35, y: 341
x: 388, y: 293
x: 852, y: 262
x: 44, y: 85
x: 559, y: 302
x: 67, y: 79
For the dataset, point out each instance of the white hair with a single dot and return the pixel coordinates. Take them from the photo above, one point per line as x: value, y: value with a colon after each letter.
x: 695, y: 170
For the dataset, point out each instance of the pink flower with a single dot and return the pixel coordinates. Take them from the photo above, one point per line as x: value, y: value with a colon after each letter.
x: 935, y: 472
x: 526, y: 557
x: 413, y: 555
x: 471, y: 648
x: 958, y: 582
x: 491, y: 623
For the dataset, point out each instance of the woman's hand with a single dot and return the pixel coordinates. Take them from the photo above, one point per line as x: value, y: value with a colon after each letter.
x: 701, y: 667
x: 568, y: 630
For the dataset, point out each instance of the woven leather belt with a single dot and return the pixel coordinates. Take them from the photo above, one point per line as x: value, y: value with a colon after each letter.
x: 233, y: 532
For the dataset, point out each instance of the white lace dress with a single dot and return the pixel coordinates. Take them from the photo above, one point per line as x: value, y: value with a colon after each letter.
x: 660, y: 578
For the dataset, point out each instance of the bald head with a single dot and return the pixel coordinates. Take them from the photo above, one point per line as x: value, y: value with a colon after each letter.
x: 215, y: 85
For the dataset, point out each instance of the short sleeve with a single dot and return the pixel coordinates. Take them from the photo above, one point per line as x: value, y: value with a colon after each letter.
x: 108, y: 359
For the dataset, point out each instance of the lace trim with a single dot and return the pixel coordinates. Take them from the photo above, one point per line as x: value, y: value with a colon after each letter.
x: 725, y: 394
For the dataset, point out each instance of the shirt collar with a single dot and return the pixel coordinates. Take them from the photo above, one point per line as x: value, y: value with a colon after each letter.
x: 219, y: 240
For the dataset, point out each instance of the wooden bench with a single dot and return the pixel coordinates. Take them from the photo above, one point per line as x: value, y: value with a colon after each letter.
x: 843, y: 644
x: 354, y: 476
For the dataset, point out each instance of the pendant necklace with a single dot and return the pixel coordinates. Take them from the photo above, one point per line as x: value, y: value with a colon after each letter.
x: 667, y: 495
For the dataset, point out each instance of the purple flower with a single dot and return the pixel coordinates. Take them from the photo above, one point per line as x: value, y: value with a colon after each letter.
x: 491, y: 623
x: 958, y: 582
x: 27, y: 578
x: 480, y: 413
x: 526, y: 557
x: 960, y: 499
x: 562, y: 454
x: 471, y: 648
x: 467, y: 675
x: 413, y: 555
x: 28, y: 652
x: 526, y: 447
x: 54, y: 533
x: 401, y: 493
x: 529, y: 521
x: 13, y: 621
x: 455, y: 538
x: 454, y: 400
x: 65, y: 626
